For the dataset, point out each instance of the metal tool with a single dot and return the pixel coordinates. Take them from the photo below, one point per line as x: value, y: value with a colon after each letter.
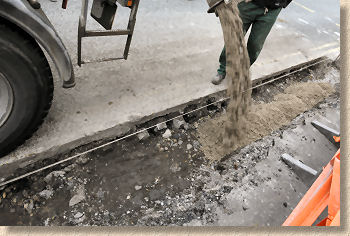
x: 328, y: 132
x: 103, y: 11
x: 305, y: 172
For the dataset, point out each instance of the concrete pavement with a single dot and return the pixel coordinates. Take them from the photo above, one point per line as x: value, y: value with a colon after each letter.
x: 173, y: 56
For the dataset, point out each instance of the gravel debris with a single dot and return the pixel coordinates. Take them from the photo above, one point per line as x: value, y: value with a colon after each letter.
x: 78, y: 215
x: 56, y: 174
x: 138, y: 187
x: 143, y: 135
x: 178, y: 123
x: 161, y: 126
x: 78, y: 197
x: 167, y: 134
x: 46, y: 193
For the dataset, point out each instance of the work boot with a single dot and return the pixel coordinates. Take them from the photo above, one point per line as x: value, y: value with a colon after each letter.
x: 218, y: 79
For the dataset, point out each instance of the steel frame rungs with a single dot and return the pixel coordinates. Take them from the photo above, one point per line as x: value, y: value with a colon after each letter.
x: 96, y: 33
x: 82, y: 32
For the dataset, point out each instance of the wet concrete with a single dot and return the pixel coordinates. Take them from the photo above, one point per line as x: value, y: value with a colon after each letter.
x: 169, y: 181
x: 262, y: 118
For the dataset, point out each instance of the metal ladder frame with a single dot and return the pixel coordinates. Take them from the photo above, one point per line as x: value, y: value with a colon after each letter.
x: 82, y: 32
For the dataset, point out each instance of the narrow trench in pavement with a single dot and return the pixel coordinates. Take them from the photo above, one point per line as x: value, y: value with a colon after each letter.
x: 155, y: 181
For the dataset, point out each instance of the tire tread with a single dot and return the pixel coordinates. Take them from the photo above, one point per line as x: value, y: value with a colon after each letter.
x: 46, y: 78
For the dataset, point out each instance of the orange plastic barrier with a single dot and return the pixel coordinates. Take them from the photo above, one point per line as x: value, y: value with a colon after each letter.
x: 324, y: 192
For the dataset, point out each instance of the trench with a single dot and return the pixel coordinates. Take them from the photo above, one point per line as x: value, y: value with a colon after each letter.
x: 264, y: 118
x: 158, y: 181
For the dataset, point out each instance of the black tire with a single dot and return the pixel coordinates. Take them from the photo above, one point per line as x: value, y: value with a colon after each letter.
x: 25, y: 68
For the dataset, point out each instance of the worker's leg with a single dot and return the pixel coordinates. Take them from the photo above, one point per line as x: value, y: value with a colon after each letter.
x: 259, y: 32
x: 248, y: 12
x: 222, y: 58
x: 222, y: 61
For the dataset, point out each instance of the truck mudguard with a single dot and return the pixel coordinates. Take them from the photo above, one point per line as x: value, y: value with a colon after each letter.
x: 36, y: 24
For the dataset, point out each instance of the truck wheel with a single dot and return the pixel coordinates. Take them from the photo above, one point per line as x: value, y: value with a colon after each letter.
x: 26, y: 87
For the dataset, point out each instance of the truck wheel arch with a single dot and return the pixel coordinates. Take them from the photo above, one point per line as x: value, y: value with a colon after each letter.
x: 26, y: 86
x: 35, y: 23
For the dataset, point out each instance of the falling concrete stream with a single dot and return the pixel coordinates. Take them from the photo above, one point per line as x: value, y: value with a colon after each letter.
x: 237, y: 66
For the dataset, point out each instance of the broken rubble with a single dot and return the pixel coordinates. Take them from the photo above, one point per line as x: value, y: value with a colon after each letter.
x: 78, y: 215
x: 82, y: 160
x: 46, y: 193
x: 100, y: 194
x: 161, y: 126
x: 78, y: 197
x: 48, y: 177
x: 175, y: 167
x: 196, y: 144
x: 79, y: 220
x: 29, y: 206
x: 178, y: 123
x: 143, y: 135
x: 138, y: 187
x: 70, y: 167
x: 167, y: 134
x: 186, y: 126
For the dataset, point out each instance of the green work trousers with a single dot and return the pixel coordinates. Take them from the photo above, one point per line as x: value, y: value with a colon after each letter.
x: 261, y: 22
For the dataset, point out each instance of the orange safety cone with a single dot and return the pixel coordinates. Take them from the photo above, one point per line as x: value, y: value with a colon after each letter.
x: 324, y: 192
